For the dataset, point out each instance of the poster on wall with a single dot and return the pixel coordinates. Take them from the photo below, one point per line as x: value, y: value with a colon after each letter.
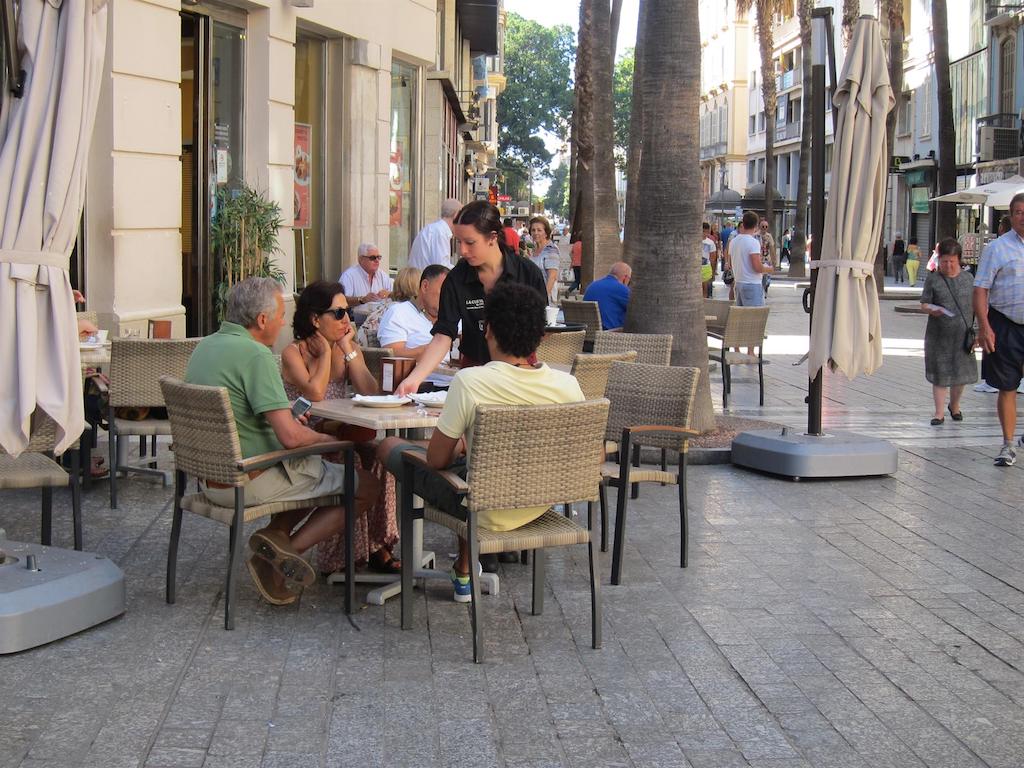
x: 302, y: 174
x: 395, y: 186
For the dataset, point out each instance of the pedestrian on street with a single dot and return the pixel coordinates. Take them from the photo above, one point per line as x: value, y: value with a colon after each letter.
x: 899, y: 257
x: 747, y: 264
x: 949, y: 362
x: 433, y: 244
x: 999, y: 307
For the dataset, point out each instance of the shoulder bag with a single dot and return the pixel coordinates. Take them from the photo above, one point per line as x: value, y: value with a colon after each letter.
x: 969, y: 334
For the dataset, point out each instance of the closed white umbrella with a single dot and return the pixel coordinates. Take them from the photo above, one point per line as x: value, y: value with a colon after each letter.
x: 44, y: 146
x: 846, y: 330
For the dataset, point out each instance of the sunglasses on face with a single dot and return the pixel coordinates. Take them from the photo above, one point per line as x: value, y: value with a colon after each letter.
x: 373, y: 258
x: 340, y: 312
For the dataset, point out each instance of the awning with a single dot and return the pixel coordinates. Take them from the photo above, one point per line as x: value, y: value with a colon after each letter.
x: 479, y: 22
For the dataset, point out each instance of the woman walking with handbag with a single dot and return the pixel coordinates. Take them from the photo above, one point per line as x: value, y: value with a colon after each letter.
x: 949, y: 362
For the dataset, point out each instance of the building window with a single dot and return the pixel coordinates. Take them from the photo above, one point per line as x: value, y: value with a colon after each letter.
x: 401, y: 216
x: 752, y: 129
x: 308, y: 227
x: 751, y: 171
x: 793, y: 111
x: 1007, y: 73
x: 923, y: 99
x: 903, y: 115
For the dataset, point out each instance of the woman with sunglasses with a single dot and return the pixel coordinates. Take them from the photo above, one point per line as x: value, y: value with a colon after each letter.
x: 316, y: 365
x: 485, y: 260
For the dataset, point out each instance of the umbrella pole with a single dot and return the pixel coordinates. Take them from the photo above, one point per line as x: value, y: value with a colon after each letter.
x: 817, y: 210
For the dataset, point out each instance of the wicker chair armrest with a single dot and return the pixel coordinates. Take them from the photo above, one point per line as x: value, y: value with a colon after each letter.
x: 716, y: 335
x: 264, y: 460
x: 657, y: 428
x: 456, y: 483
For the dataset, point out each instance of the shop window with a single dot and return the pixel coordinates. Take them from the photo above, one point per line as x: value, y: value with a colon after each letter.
x: 308, y: 225
x: 1007, y: 74
x: 401, y: 214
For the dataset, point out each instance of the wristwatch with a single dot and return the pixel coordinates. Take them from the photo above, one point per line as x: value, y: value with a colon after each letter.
x: 351, y: 356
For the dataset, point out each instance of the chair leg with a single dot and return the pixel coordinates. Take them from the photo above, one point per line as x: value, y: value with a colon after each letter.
x: 46, y: 535
x: 152, y: 450
x: 112, y: 439
x: 524, y: 557
x: 595, y: 592
x: 405, y: 534
x: 664, y: 461
x: 474, y: 586
x: 85, y: 456
x: 684, y: 513
x: 234, y: 552
x: 142, y: 446
x: 760, y: 377
x: 620, y: 523
x: 76, y: 498
x: 538, y: 581
x: 635, y: 488
x: 602, y: 492
x: 725, y: 382
x: 172, y: 548
x: 350, y: 529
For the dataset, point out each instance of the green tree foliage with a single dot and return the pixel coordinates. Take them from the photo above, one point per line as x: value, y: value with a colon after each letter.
x: 622, y: 84
x: 538, y: 95
x: 556, y: 199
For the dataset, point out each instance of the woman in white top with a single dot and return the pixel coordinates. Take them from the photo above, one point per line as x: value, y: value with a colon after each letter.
x: 545, y: 253
x: 406, y: 325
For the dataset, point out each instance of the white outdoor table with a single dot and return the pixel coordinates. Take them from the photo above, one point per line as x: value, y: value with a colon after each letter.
x: 391, y: 420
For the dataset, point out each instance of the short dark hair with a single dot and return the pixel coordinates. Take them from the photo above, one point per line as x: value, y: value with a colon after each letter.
x: 912, y: 241
x: 507, y: 221
x: 315, y: 299
x: 1016, y: 200
x: 484, y: 218
x: 515, y: 314
x: 543, y: 222
x: 706, y: 226
x: 950, y: 247
x: 433, y: 271
x: 750, y: 220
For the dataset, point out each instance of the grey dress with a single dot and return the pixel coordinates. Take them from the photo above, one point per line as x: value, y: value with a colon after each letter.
x: 945, y: 362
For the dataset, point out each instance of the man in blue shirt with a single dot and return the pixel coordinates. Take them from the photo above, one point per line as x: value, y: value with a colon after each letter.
x: 611, y: 293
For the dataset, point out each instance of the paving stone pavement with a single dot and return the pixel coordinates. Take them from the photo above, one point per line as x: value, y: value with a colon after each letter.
x: 845, y: 623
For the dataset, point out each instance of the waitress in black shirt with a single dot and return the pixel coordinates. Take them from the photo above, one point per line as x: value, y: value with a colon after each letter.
x: 485, y: 260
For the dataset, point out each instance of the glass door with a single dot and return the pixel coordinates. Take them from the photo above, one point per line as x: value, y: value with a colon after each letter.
x: 212, y: 69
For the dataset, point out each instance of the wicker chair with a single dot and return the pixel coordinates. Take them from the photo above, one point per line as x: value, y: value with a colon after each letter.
x: 591, y: 371
x: 36, y: 467
x: 651, y: 405
x: 650, y: 348
x: 206, y: 446
x: 522, y: 456
x: 136, y: 366
x: 374, y: 357
x: 719, y: 309
x: 745, y: 327
x: 561, y: 347
x: 585, y: 312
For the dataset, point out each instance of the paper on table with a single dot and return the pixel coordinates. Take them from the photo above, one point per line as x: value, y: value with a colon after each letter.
x: 943, y: 310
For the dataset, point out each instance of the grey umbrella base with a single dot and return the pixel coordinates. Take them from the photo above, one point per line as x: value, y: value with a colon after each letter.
x: 66, y: 592
x: 797, y: 455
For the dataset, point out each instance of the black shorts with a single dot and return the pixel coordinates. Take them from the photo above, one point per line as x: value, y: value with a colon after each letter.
x: 1002, y: 368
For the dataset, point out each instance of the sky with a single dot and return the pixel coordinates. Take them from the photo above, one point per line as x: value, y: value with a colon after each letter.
x: 552, y: 12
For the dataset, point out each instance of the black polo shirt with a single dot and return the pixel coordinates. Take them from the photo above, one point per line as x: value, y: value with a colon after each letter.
x: 462, y: 298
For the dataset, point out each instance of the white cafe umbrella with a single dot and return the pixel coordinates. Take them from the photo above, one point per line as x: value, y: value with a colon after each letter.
x: 846, y: 330
x: 44, y: 146
x: 995, y: 194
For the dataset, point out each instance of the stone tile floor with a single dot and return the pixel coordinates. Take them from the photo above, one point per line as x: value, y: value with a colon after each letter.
x: 873, y: 622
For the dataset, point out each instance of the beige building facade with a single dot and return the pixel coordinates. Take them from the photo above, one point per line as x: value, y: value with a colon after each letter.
x: 350, y: 115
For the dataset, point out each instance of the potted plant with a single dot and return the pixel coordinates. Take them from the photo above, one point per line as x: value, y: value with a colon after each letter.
x: 243, y: 238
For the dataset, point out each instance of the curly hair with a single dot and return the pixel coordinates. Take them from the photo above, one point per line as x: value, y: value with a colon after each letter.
x: 515, y: 315
x: 315, y: 299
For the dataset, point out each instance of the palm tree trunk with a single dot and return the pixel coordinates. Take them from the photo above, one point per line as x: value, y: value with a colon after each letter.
x: 798, y: 242
x: 635, y: 140
x: 945, y: 213
x: 584, y: 141
x: 666, y: 277
x: 607, y: 246
x: 769, y: 94
x: 893, y: 16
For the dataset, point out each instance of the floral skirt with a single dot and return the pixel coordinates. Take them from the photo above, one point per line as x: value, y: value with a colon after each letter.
x: 375, y: 527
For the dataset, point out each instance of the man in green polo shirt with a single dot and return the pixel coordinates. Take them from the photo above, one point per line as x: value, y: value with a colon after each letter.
x: 238, y: 357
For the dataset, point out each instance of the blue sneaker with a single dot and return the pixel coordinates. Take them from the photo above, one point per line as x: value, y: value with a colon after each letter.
x: 463, y: 592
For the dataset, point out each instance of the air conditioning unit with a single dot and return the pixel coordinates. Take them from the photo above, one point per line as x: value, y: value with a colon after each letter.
x: 996, y: 143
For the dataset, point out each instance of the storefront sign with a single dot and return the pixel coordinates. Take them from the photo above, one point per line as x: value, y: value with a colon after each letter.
x: 303, y: 172
x: 919, y: 200
x: 222, y: 166
x: 504, y: 198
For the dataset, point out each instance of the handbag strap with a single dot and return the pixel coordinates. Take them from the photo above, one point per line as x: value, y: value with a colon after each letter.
x: 955, y: 301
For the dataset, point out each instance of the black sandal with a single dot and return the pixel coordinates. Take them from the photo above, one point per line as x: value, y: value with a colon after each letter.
x: 382, y: 561
x: 958, y: 416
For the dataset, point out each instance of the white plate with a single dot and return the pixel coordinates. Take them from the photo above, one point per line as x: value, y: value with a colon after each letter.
x: 431, y: 399
x: 380, y: 401
x: 86, y: 346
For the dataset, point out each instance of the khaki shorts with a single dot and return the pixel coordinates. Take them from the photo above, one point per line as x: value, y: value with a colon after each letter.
x: 291, y: 480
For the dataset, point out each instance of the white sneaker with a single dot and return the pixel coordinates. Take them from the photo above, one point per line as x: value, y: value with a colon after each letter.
x: 1007, y: 456
x: 983, y: 386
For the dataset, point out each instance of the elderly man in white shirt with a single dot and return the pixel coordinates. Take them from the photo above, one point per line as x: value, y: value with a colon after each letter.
x: 433, y: 245
x: 365, y: 282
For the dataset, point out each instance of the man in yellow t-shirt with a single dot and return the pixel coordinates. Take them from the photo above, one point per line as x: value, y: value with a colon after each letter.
x: 513, y: 327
